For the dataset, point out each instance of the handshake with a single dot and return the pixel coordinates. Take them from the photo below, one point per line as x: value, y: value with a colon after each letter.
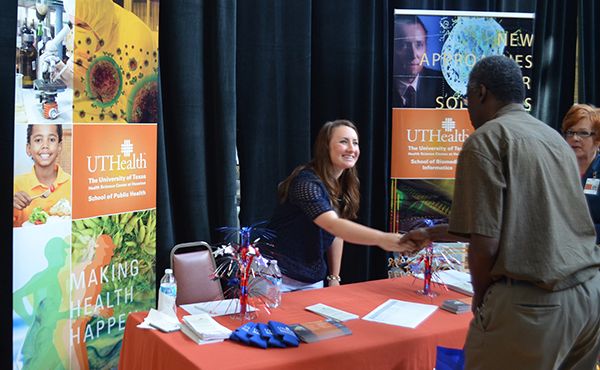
x: 414, y: 240
x: 406, y: 244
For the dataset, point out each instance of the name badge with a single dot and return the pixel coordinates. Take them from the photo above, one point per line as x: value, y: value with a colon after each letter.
x: 591, y: 186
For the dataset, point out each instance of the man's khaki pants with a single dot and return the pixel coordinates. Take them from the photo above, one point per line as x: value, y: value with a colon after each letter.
x: 522, y: 326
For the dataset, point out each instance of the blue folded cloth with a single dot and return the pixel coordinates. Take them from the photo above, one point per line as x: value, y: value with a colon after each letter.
x: 284, y: 333
x: 273, y: 334
x: 267, y: 334
x: 243, y: 333
x: 256, y: 339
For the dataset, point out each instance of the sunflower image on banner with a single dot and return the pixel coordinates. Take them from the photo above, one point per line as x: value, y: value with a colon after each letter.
x: 115, y: 65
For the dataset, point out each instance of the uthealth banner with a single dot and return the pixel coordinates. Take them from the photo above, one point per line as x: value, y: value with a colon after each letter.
x: 84, y: 222
x: 433, y: 53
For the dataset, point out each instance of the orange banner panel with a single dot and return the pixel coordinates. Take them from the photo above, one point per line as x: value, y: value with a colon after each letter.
x: 114, y: 169
x: 426, y: 142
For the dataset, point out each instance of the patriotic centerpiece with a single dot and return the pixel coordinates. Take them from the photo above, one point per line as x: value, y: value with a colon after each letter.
x: 243, y: 267
x: 429, y: 262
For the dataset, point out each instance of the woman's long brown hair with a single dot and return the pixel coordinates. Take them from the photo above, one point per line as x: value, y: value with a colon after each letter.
x: 343, y: 191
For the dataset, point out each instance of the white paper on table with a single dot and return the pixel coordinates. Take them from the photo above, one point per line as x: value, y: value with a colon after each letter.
x: 400, y: 313
x: 185, y: 329
x: 159, y: 318
x: 217, y: 308
x: 332, y: 312
x: 205, y: 327
x: 458, y: 281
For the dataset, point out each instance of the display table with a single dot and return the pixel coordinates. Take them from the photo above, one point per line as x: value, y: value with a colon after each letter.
x: 371, y: 345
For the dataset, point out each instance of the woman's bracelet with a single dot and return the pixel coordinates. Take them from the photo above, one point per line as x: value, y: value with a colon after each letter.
x: 334, y: 277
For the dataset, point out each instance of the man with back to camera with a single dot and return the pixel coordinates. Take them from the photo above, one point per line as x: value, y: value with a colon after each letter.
x: 414, y: 85
x: 532, y: 255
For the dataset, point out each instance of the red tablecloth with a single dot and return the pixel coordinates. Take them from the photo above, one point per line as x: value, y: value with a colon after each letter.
x: 371, y: 345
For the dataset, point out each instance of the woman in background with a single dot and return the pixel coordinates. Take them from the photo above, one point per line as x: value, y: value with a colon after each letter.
x: 317, y: 202
x: 581, y: 127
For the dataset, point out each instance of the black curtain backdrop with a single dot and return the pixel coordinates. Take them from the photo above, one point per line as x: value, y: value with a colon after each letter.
x: 301, y: 64
x: 265, y: 75
x: 273, y: 82
x: 196, y: 158
x: 589, y: 50
x: 554, y: 58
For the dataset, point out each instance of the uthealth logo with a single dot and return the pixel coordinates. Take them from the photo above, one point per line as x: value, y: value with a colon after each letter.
x: 127, y: 160
x: 448, y: 124
x: 127, y: 148
x: 447, y: 133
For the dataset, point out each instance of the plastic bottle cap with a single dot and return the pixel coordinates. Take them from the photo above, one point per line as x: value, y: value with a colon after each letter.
x: 168, y: 271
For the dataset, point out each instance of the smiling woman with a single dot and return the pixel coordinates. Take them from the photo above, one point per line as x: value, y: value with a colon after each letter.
x: 317, y: 202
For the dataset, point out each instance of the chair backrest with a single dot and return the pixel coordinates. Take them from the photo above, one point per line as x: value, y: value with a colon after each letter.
x: 193, y: 263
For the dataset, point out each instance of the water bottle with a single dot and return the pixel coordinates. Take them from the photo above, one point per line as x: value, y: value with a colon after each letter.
x: 274, y: 287
x: 167, y: 294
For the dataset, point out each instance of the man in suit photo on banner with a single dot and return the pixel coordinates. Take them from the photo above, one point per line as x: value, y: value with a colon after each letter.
x: 415, y: 85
